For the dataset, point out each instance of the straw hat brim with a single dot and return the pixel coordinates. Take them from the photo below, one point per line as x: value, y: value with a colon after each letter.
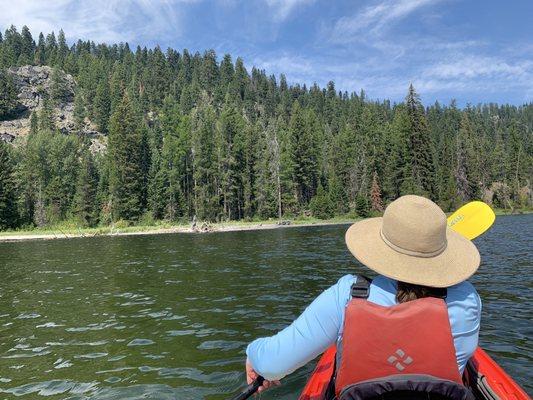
x: 455, y: 264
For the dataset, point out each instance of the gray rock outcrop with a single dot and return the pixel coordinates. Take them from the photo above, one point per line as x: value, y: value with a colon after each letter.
x: 32, y: 83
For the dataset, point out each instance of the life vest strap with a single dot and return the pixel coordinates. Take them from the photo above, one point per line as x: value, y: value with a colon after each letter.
x: 361, y: 287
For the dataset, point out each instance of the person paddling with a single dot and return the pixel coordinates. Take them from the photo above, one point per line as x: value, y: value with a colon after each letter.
x: 412, y: 329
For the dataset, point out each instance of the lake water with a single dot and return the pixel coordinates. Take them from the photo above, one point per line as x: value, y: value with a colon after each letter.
x: 169, y: 316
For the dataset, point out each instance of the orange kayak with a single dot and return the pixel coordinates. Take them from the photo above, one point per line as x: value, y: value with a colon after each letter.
x: 486, y: 379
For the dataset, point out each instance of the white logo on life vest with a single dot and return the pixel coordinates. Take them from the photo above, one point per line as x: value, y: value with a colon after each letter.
x: 401, y: 361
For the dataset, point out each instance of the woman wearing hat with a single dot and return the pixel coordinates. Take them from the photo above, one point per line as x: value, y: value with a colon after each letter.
x: 418, y: 318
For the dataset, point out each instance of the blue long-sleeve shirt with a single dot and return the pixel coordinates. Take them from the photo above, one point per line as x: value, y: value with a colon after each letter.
x: 321, y: 324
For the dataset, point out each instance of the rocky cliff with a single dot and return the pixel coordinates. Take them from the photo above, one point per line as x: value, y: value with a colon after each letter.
x: 32, y: 83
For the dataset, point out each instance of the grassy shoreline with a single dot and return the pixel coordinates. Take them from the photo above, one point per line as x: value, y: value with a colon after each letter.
x: 67, y: 231
x: 499, y: 211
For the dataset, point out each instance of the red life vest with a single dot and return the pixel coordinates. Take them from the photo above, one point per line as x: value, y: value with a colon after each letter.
x: 400, y: 348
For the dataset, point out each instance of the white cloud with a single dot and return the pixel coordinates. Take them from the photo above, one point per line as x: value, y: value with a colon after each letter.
x: 287, y: 64
x: 437, y: 64
x: 99, y: 20
x: 477, y: 76
x: 347, y: 75
x: 467, y: 75
x: 283, y: 8
x: 376, y: 18
x: 479, y: 66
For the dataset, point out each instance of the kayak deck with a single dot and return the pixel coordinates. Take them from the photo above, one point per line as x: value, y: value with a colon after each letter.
x: 486, y: 379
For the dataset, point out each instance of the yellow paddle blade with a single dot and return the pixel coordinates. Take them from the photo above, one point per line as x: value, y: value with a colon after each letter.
x: 472, y: 219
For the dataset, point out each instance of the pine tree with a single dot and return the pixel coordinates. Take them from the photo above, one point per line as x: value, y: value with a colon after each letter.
x: 422, y: 166
x: 48, y: 173
x: 320, y: 204
x: 230, y: 154
x: 186, y: 100
x: 8, y: 201
x: 246, y: 150
x: 103, y: 196
x: 268, y: 172
x: 331, y: 107
x: 342, y: 158
x: 466, y: 172
x: 205, y: 180
x: 62, y: 160
x: 303, y: 156
x: 166, y: 199
x: 85, y: 200
x: 8, y: 95
x: 227, y: 71
x: 117, y: 85
x: 209, y: 71
x: 398, y: 179
x: 11, y: 47
x: 59, y: 90
x: 362, y: 207
x: 40, y: 51
x: 32, y: 168
x: 240, y: 80
x: 39, y: 216
x: 157, y: 80
x: 171, y: 166
x: 27, y: 47
x: 70, y: 66
x: 157, y: 187
x: 51, y: 48
x: 375, y: 194
x: 515, y: 159
x: 444, y: 123
x: 337, y: 195
x: 125, y: 159
x: 102, y: 106
x: 449, y: 200
x: 287, y: 186
x: 145, y: 160
x: 62, y: 49
x: 46, y: 115
x: 79, y: 111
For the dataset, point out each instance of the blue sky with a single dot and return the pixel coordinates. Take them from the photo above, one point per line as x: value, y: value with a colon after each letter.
x: 470, y: 50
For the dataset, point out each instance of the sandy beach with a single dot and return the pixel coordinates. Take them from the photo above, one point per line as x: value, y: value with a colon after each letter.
x: 131, y: 231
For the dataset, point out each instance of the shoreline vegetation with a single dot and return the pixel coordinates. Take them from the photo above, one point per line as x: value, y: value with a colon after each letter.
x: 164, y: 228
x: 72, y: 231
x: 103, y: 135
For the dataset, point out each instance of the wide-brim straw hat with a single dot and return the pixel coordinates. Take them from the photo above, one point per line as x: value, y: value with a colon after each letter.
x: 412, y: 243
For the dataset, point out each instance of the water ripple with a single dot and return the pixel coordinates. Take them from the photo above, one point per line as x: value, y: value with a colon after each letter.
x: 169, y: 316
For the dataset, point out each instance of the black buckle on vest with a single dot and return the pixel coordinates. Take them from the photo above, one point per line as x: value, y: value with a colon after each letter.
x: 361, y: 287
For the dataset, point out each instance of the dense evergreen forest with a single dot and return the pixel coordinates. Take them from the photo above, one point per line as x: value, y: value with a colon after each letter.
x: 191, y: 135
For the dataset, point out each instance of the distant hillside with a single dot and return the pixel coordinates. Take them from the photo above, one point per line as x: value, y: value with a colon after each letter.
x: 181, y: 135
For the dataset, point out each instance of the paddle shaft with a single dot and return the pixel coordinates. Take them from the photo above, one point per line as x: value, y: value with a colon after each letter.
x: 250, y: 389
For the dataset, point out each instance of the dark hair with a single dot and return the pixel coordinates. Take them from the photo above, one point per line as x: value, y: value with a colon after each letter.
x: 408, y: 291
